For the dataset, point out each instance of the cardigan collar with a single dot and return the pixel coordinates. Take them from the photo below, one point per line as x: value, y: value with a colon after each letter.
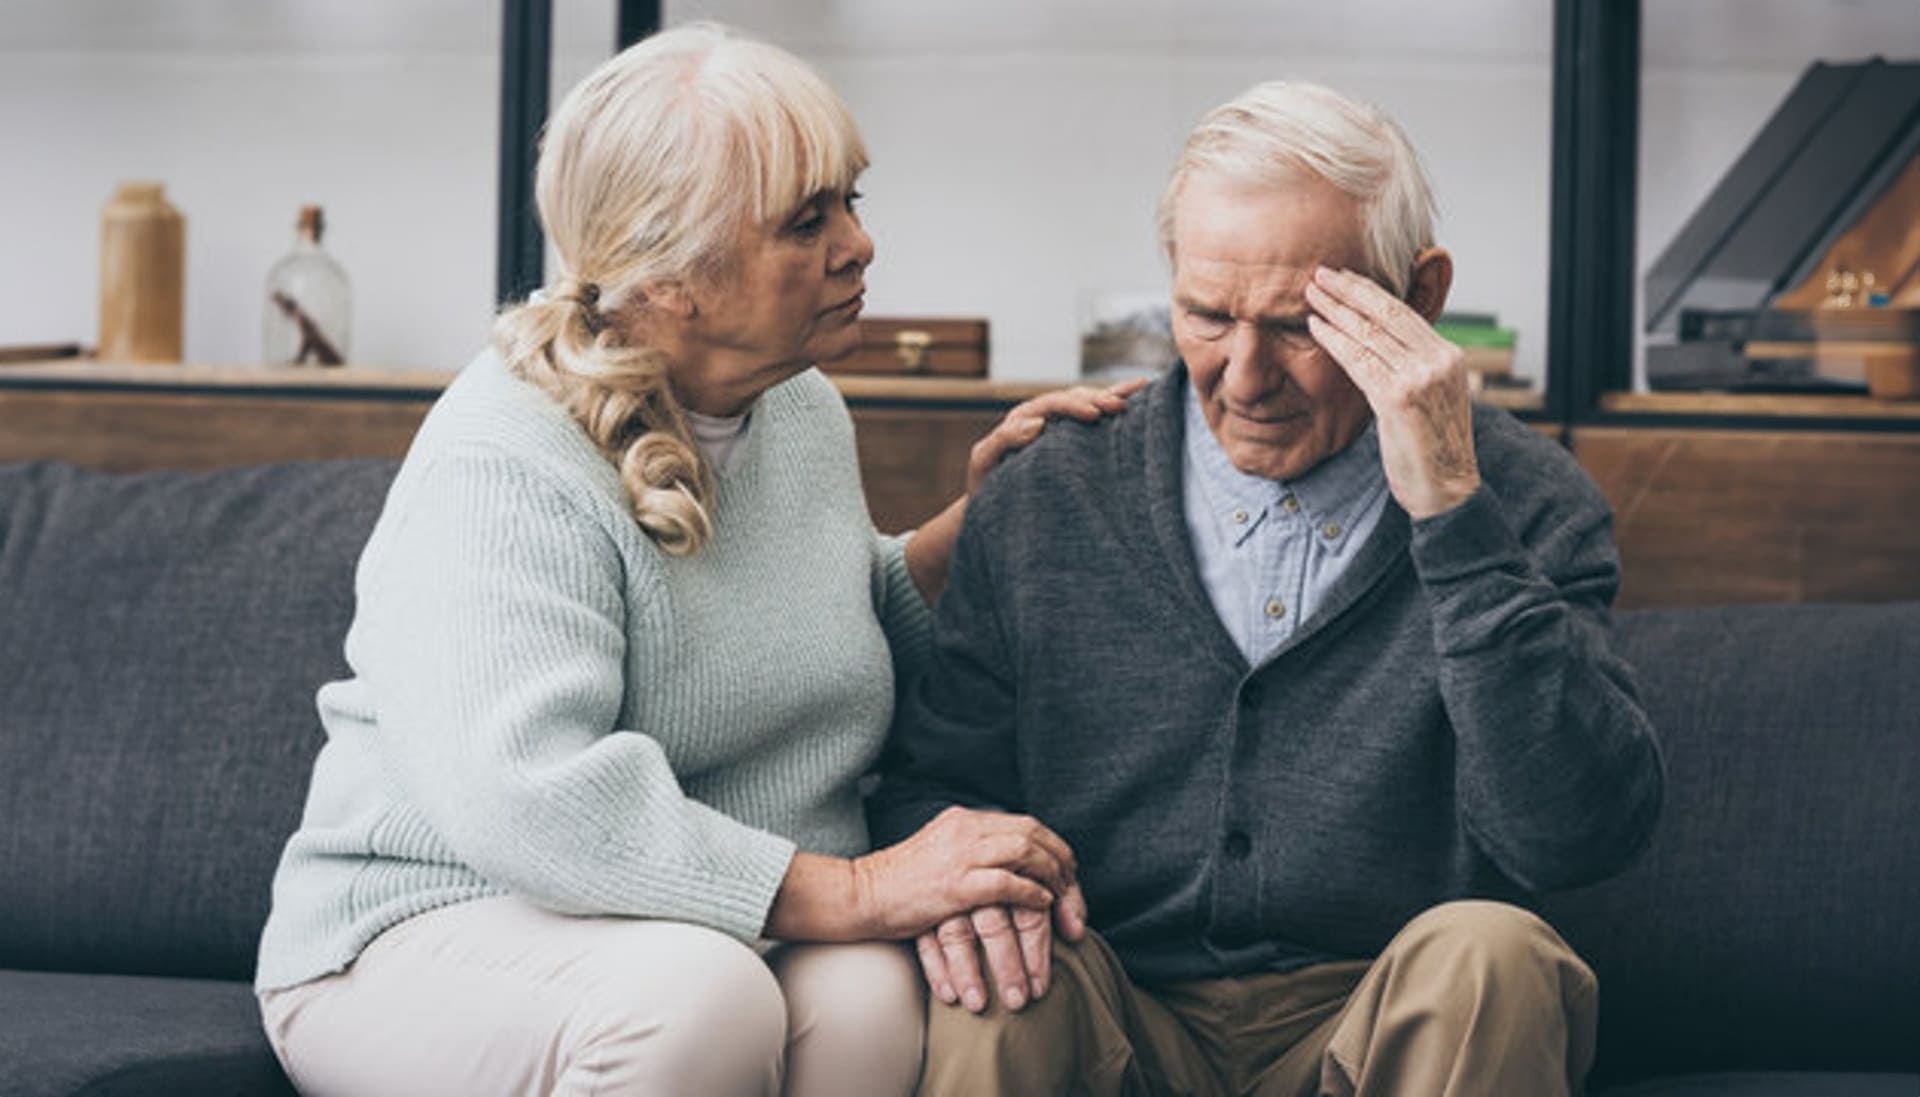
x: 1162, y: 479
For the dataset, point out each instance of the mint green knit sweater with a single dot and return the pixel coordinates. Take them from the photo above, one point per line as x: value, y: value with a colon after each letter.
x: 544, y: 704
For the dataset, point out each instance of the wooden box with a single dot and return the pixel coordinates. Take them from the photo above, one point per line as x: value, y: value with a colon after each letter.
x: 901, y: 346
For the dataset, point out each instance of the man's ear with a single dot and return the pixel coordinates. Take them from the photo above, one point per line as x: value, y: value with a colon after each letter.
x: 1432, y: 278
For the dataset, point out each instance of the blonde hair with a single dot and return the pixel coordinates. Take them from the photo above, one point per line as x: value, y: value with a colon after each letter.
x: 1273, y: 132
x: 650, y: 170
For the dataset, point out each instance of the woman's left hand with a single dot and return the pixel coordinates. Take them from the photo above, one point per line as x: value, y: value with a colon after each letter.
x: 1025, y: 422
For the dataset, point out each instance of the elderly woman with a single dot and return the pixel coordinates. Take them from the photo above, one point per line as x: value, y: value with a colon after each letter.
x: 587, y: 819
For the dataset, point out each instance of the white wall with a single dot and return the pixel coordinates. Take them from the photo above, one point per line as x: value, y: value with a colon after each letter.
x: 1018, y: 145
x: 387, y: 113
x: 1018, y: 150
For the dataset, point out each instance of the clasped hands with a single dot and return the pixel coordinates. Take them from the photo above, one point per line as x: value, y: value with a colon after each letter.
x: 976, y: 883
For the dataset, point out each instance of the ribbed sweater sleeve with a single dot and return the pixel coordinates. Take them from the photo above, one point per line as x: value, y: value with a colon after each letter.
x: 1558, y: 771
x: 953, y: 737
x: 903, y: 611
x: 494, y: 648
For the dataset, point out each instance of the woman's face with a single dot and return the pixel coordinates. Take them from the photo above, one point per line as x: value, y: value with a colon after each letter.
x: 792, y: 299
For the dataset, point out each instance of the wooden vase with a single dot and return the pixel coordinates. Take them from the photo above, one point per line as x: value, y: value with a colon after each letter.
x: 143, y: 260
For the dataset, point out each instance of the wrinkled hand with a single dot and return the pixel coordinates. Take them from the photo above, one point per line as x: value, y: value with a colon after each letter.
x: 1017, y: 943
x: 1024, y: 423
x: 1415, y: 381
x: 962, y: 860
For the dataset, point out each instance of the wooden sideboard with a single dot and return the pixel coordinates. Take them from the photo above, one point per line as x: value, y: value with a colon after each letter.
x: 1703, y: 515
x: 914, y: 433
x: 128, y: 418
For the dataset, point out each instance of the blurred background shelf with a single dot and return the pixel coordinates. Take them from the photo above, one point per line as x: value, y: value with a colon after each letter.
x: 1754, y: 405
x: 1703, y: 513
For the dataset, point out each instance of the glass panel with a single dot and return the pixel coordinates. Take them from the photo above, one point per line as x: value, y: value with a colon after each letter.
x: 385, y: 114
x: 1755, y: 166
x: 1018, y: 149
x: 583, y: 37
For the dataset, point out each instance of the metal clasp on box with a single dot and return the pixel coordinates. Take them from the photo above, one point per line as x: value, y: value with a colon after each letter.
x: 911, y: 346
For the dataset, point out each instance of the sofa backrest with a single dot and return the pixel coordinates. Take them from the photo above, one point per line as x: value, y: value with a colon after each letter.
x: 161, y: 639
x: 1775, y: 920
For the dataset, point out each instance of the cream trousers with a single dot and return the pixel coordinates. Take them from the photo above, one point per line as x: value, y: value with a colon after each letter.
x: 500, y: 997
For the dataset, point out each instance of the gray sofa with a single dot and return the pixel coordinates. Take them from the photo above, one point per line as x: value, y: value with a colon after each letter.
x: 161, y: 636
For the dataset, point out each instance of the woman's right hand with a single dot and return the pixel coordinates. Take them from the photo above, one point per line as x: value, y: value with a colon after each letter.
x: 962, y: 860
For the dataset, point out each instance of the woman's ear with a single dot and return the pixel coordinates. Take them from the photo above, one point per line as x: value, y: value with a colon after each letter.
x: 1432, y: 278
x: 669, y: 298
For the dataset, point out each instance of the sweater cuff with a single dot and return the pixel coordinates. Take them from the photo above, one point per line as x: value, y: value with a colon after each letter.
x: 749, y: 867
x: 1477, y: 574
x: 1471, y: 539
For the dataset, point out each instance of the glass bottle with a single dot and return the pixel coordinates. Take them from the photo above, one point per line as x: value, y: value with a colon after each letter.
x: 308, y: 305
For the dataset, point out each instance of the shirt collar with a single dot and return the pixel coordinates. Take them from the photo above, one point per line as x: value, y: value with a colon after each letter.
x: 1333, y: 496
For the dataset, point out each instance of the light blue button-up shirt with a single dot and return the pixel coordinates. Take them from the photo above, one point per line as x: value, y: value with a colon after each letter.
x: 1269, y: 550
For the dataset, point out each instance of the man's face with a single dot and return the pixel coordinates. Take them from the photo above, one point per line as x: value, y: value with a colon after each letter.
x: 1242, y: 257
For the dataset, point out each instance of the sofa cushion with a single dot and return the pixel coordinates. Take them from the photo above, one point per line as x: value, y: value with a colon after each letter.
x: 1772, y: 1084
x: 1774, y: 923
x: 122, y: 1036
x: 161, y: 639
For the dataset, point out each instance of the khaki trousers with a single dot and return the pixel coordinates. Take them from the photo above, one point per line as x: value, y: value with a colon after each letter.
x: 1471, y: 999
x: 500, y: 997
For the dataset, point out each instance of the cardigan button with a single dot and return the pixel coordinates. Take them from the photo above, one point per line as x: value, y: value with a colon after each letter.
x: 1250, y: 695
x: 1237, y: 845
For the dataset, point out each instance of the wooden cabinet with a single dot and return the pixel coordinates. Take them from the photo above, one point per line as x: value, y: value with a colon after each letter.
x: 125, y: 418
x: 914, y: 434
x: 1702, y: 515
x: 1712, y: 516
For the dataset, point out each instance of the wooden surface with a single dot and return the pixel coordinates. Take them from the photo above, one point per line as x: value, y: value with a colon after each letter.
x: 1511, y: 399
x: 121, y: 417
x: 130, y: 431
x: 914, y: 433
x: 913, y: 461
x: 1705, y: 517
x: 945, y: 391
x: 1765, y: 406
x: 87, y: 375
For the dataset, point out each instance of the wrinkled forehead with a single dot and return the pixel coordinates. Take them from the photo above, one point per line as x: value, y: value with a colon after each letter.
x: 1225, y: 231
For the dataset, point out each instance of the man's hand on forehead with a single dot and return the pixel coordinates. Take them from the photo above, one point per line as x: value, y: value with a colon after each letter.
x: 1415, y: 381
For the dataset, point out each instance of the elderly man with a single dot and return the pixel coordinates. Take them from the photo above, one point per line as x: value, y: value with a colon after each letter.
x: 1306, y: 656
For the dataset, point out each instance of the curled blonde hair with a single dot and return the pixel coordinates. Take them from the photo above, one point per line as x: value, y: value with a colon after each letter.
x: 1273, y: 132
x: 650, y: 171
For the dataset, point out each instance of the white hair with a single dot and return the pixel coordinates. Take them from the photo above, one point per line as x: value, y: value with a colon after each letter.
x: 1274, y: 132
x: 649, y: 171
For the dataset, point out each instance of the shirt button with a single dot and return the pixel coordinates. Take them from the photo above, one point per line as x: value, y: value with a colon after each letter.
x: 1237, y: 845
x: 1291, y: 503
x: 1240, y: 516
x: 1276, y: 608
x: 1331, y: 529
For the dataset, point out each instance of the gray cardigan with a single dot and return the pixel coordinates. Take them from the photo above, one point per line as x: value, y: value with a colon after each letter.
x: 1452, y: 723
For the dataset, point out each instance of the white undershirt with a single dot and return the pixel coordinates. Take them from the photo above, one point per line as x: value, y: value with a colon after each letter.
x: 716, y: 434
